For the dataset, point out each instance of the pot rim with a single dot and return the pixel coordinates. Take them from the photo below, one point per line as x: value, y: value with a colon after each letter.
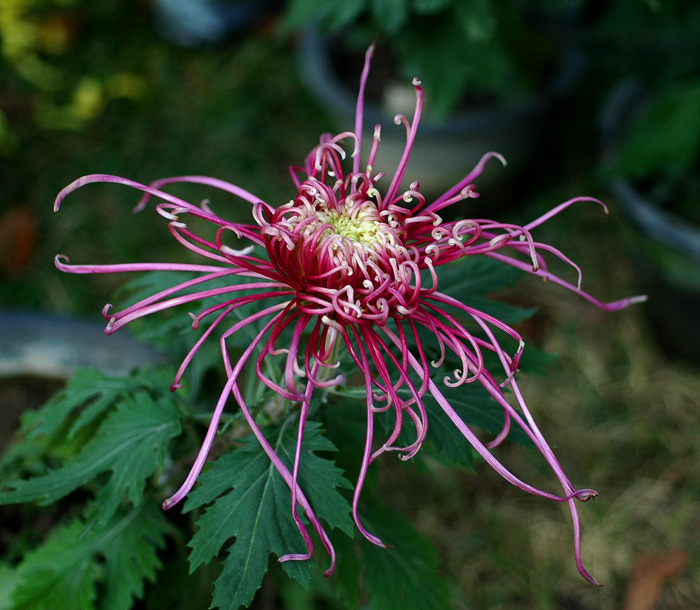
x: 317, y: 72
x: 666, y: 228
x: 50, y: 345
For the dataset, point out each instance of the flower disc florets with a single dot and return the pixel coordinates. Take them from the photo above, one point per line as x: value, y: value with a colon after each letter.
x: 345, y: 258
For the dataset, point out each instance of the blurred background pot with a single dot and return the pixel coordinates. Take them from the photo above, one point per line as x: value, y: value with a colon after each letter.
x: 663, y: 240
x: 39, y: 351
x: 446, y: 148
x: 194, y: 23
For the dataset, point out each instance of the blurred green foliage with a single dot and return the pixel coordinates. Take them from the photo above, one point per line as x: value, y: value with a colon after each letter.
x: 657, y: 46
x: 203, y: 111
x: 479, y: 49
x: 40, y: 68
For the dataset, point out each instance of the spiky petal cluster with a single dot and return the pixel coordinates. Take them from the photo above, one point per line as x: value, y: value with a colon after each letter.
x: 344, y: 265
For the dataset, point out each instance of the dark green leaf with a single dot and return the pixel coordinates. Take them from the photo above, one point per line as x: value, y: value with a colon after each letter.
x: 130, y: 556
x: 331, y: 14
x: 475, y: 276
x: 430, y: 6
x: 509, y: 314
x: 8, y: 583
x: 147, y: 284
x: 131, y: 443
x: 535, y: 360
x: 444, y: 436
x: 665, y: 139
x: 476, y: 408
x: 398, y: 578
x: 161, y: 329
x: 252, y: 503
x: 390, y: 15
x: 65, y: 571
x: 345, y: 12
x: 91, y: 391
x: 59, y: 574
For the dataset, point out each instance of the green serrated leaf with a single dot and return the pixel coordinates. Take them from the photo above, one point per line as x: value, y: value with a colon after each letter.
x: 131, y: 557
x: 446, y: 438
x: 471, y: 278
x: 64, y: 573
x: 131, y: 443
x: 347, y: 579
x: 535, y: 360
x: 476, y: 408
x: 90, y: 390
x: 251, y: 502
x: 58, y: 575
x: 172, y: 331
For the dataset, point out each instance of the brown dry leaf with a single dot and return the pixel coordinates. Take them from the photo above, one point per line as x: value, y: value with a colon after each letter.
x: 649, y: 573
x: 17, y: 240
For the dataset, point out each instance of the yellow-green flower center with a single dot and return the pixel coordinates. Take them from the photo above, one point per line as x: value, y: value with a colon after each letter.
x: 362, y: 228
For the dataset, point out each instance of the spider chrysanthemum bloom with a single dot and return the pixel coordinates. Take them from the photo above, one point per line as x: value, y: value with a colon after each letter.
x: 350, y: 265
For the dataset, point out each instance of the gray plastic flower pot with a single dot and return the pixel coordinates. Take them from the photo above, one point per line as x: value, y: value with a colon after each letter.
x: 444, y: 151
x: 195, y: 23
x: 664, y: 246
x: 39, y: 351
x: 52, y: 346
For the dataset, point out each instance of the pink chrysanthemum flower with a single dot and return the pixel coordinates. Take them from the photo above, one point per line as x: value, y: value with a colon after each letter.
x: 349, y: 265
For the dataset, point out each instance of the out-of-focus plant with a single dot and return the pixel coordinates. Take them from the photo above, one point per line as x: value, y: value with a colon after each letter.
x: 658, y: 41
x: 656, y: 45
x: 36, y: 40
x: 477, y: 50
x: 660, y: 150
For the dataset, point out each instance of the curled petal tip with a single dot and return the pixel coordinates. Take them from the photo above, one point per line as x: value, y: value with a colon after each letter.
x: 582, y: 571
x: 169, y: 503
x: 623, y: 303
x: 584, y: 495
x: 500, y: 157
x: 76, y: 184
x: 329, y: 571
x: 294, y: 557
